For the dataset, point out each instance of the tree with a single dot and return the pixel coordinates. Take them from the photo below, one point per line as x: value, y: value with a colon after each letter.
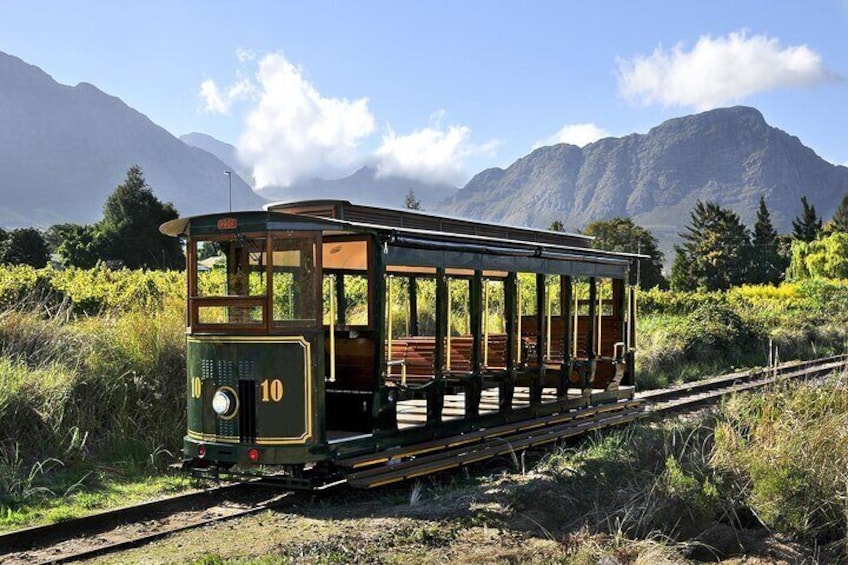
x: 81, y: 246
x: 130, y: 226
x: 825, y: 257
x: 621, y: 234
x: 767, y: 263
x: 808, y: 225
x: 839, y: 223
x: 25, y: 246
x: 716, y: 250
x: 411, y: 202
x: 556, y: 225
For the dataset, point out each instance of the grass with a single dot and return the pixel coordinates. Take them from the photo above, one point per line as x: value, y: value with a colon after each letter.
x: 102, y: 491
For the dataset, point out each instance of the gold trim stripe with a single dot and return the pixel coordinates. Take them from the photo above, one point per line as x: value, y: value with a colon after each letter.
x: 307, y: 369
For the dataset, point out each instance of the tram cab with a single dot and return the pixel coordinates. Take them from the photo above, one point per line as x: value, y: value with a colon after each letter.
x: 321, y: 330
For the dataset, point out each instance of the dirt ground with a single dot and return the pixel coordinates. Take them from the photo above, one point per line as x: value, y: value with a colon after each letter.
x: 444, y: 521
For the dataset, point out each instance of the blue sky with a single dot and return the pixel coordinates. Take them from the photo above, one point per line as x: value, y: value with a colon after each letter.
x: 441, y: 90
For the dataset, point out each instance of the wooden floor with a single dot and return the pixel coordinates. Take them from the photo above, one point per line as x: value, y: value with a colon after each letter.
x: 412, y: 413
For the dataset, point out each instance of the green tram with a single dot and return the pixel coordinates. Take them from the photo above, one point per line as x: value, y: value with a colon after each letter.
x: 322, y: 332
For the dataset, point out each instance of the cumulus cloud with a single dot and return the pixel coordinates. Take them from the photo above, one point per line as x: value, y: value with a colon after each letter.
x: 294, y: 132
x: 718, y: 70
x: 435, y: 153
x: 219, y: 101
x: 291, y: 131
x: 575, y: 134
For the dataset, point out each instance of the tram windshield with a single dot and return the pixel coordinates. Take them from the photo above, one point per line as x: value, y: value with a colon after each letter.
x: 244, y: 280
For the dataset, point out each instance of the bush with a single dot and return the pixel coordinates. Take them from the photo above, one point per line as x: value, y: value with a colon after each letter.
x: 786, y: 451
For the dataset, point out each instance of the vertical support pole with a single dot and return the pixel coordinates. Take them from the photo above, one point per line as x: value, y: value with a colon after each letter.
x: 600, y: 321
x: 476, y: 326
x: 485, y: 322
x: 565, y: 293
x: 341, y: 310
x: 593, y: 309
x: 382, y: 411
x: 536, y: 387
x: 333, y: 334
x: 512, y: 313
x: 575, y: 334
x: 549, y: 312
x: 436, y: 396
x: 448, y: 330
x: 390, y: 328
x: 413, y: 306
x: 475, y: 316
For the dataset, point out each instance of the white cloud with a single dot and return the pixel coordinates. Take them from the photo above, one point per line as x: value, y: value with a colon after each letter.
x: 291, y: 131
x: 219, y: 101
x: 718, y: 70
x: 431, y: 154
x: 294, y: 132
x: 575, y: 134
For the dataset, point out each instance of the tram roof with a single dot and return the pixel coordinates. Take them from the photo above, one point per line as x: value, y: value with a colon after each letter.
x: 390, y: 218
x: 504, y: 240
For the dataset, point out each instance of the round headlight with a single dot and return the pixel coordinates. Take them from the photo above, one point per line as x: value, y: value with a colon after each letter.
x: 222, y: 403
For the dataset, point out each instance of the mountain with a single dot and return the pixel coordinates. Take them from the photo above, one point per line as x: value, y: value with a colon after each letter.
x: 223, y: 151
x: 364, y: 186
x: 64, y: 149
x: 729, y: 155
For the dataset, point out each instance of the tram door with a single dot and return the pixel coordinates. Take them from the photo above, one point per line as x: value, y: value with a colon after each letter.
x: 255, y: 337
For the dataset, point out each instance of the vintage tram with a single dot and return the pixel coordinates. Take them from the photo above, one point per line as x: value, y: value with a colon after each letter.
x: 325, y: 337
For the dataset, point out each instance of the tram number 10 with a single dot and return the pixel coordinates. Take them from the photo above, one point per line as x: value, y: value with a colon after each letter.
x: 272, y: 390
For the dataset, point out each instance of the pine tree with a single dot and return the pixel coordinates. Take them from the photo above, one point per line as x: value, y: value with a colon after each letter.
x: 556, y: 225
x: 808, y: 225
x: 767, y: 264
x: 840, y: 218
x: 411, y: 202
x: 130, y: 226
x: 716, y: 250
x: 621, y: 234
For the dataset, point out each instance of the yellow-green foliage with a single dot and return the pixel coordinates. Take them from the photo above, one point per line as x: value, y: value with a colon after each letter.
x: 89, y: 291
x: 824, y: 257
x: 789, y: 450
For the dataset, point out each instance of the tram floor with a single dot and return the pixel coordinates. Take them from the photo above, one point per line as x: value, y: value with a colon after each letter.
x: 413, y: 413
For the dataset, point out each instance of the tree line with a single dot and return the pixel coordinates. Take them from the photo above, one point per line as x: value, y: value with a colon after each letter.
x: 127, y: 235
x: 718, y: 251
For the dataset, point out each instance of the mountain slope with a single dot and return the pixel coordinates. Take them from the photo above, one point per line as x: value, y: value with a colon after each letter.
x: 728, y: 155
x: 364, y: 187
x: 223, y: 151
x: 64, y: 149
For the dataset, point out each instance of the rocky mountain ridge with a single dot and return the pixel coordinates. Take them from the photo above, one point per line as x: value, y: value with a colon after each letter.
x: 727, y: 155
x: 64, y: 149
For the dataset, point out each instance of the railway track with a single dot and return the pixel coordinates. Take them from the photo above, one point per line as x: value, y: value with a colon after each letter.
x: 697, y: 393
x: 136, y: 525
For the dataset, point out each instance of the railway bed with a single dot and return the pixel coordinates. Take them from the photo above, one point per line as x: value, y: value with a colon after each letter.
x: 137, y: 525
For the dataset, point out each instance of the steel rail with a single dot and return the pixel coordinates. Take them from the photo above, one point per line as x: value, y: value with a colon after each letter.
x: 696, y: 393
x: 100, y: 533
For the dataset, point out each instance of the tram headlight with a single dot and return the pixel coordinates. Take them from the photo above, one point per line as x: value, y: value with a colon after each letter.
x: 224, y: 402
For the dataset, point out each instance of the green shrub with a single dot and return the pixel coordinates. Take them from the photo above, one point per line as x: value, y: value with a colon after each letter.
x: 787, y: 452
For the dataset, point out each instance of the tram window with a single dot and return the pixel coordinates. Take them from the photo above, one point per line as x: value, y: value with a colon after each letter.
x: 355, y: 302
x: 460, y: 306
x: 494, y: 324
x: 234, y: 267
x: 293, y: 280
x: 426, y: 293
x: 397, y: 305
x: 244, y: 315
x: 527, y: 294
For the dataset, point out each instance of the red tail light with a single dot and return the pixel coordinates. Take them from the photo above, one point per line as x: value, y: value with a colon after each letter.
x: 253, y: 454
x: 201, y: 451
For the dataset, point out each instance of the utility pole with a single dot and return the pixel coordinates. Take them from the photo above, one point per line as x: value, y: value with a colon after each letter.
x: 230, y: 177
